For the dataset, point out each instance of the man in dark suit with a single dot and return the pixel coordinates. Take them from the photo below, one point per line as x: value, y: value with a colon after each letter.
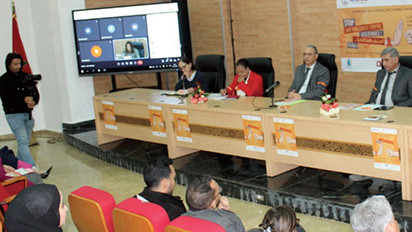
x: 398, y: 90
x: 311, y: 78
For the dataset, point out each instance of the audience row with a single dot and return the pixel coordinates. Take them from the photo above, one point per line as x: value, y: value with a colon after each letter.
x: 41, y: 207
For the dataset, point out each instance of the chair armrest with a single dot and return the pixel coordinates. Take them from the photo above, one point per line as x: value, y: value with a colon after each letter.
x: 15, y: 180
x: 8, y: 200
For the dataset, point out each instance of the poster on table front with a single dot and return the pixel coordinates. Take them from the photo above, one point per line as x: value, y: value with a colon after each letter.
x: 367, y: 27
x: 386, y: 149
x: 252, y: 128
x: 181, y: 125
x: 157, y: 121
x: 109, y: 116
x: 285, y: 136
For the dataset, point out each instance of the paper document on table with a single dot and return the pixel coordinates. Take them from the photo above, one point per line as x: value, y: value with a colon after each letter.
x: 216, y: 96
x: 289, y: 103
x: 375, y: 117
x: 182, y: 92
x: 367, y: 107
x: 348, y: 106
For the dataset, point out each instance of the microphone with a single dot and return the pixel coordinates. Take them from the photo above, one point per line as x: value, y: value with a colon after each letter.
x: 272, y: 86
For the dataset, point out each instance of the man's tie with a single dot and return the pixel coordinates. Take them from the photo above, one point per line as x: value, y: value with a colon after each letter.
x: 385, y: 89
x: 306, y: 72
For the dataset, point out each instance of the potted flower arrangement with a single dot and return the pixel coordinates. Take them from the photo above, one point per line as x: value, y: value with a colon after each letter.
x: 198, y: 95
x: 329, y: 106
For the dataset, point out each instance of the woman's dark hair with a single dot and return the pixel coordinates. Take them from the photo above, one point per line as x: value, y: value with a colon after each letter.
x: 280, y: 219
x: 243, y: 62
x: 131, y: 47
x: 10, y: 57
x: 188, y: 60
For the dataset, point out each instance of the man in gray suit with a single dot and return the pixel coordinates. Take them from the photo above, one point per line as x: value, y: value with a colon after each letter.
x: 311, y: 78
x: 398, y: 90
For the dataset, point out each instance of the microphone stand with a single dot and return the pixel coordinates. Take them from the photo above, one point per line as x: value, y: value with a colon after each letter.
x: 272, y: 101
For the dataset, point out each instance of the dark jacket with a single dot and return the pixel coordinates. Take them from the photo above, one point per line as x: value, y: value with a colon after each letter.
x: 199, y: 77
x: 402, y: 88
x: 172, y: 204
x: 319, y: 81
x: 13, y: 90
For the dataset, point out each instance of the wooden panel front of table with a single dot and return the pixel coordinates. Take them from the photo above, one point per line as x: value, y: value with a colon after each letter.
x: 341, y: 144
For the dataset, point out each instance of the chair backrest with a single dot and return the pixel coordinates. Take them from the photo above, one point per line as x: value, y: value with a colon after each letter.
x: 134, y: 215
x: 91, y: 209
x: 213, y: 66
x: 406, y: 61
x: 263, y: 66
x: 140, y: 48
x: 187, y: 223
x: 328, y: 60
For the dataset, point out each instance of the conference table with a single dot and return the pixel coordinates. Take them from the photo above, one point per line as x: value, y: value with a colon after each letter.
x: 284, y: 138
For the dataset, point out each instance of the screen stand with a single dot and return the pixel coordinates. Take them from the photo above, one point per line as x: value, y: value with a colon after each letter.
x: 159, y: 80
x: 114, y: 88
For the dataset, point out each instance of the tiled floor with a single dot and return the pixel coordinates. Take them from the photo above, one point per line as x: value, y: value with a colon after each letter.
x: 73, y: 169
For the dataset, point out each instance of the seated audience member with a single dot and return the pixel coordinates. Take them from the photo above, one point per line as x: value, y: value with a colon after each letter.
x: 398, y: 90
x: 191, y: 76
x: 130, y: 52
x: 159, y: 176
x: 373, y: 215
x: 204, y: 201
x: 246, y: 82
x: 311, y: 78
x: 9, y: 163
x: 39, y: 208
x: 280, y: 219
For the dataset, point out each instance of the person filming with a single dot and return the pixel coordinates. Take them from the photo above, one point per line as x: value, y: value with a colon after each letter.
x: 19, y: 95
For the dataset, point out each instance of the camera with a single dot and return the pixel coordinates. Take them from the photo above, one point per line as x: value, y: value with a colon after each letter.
x: 30, y: 80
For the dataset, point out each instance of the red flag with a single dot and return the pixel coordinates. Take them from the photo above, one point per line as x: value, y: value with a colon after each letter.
x: 17, y: 43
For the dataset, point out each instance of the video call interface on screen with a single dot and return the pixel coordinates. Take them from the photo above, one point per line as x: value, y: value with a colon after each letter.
x: 133, y: 38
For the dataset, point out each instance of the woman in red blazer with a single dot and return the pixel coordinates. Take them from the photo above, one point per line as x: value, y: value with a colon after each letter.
x: 246, y: 82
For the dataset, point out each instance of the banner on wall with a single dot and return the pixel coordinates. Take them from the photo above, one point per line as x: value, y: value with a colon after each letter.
x: 367, y: 27
x: 386, y: 149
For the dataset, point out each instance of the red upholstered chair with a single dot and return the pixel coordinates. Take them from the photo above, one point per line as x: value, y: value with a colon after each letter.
x: 134, y: 215
x: 8, y: 190
x: 91, y: 209
x: 191, y: 224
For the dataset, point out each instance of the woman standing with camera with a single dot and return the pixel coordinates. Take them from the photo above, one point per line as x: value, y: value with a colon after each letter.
x: 19, y: 96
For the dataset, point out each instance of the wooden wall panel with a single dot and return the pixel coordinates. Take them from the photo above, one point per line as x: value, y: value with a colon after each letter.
x: 261, y: 29
x: 205, y: 27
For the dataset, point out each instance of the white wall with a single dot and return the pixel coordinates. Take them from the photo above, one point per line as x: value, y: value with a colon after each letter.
x: 47, y: 32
